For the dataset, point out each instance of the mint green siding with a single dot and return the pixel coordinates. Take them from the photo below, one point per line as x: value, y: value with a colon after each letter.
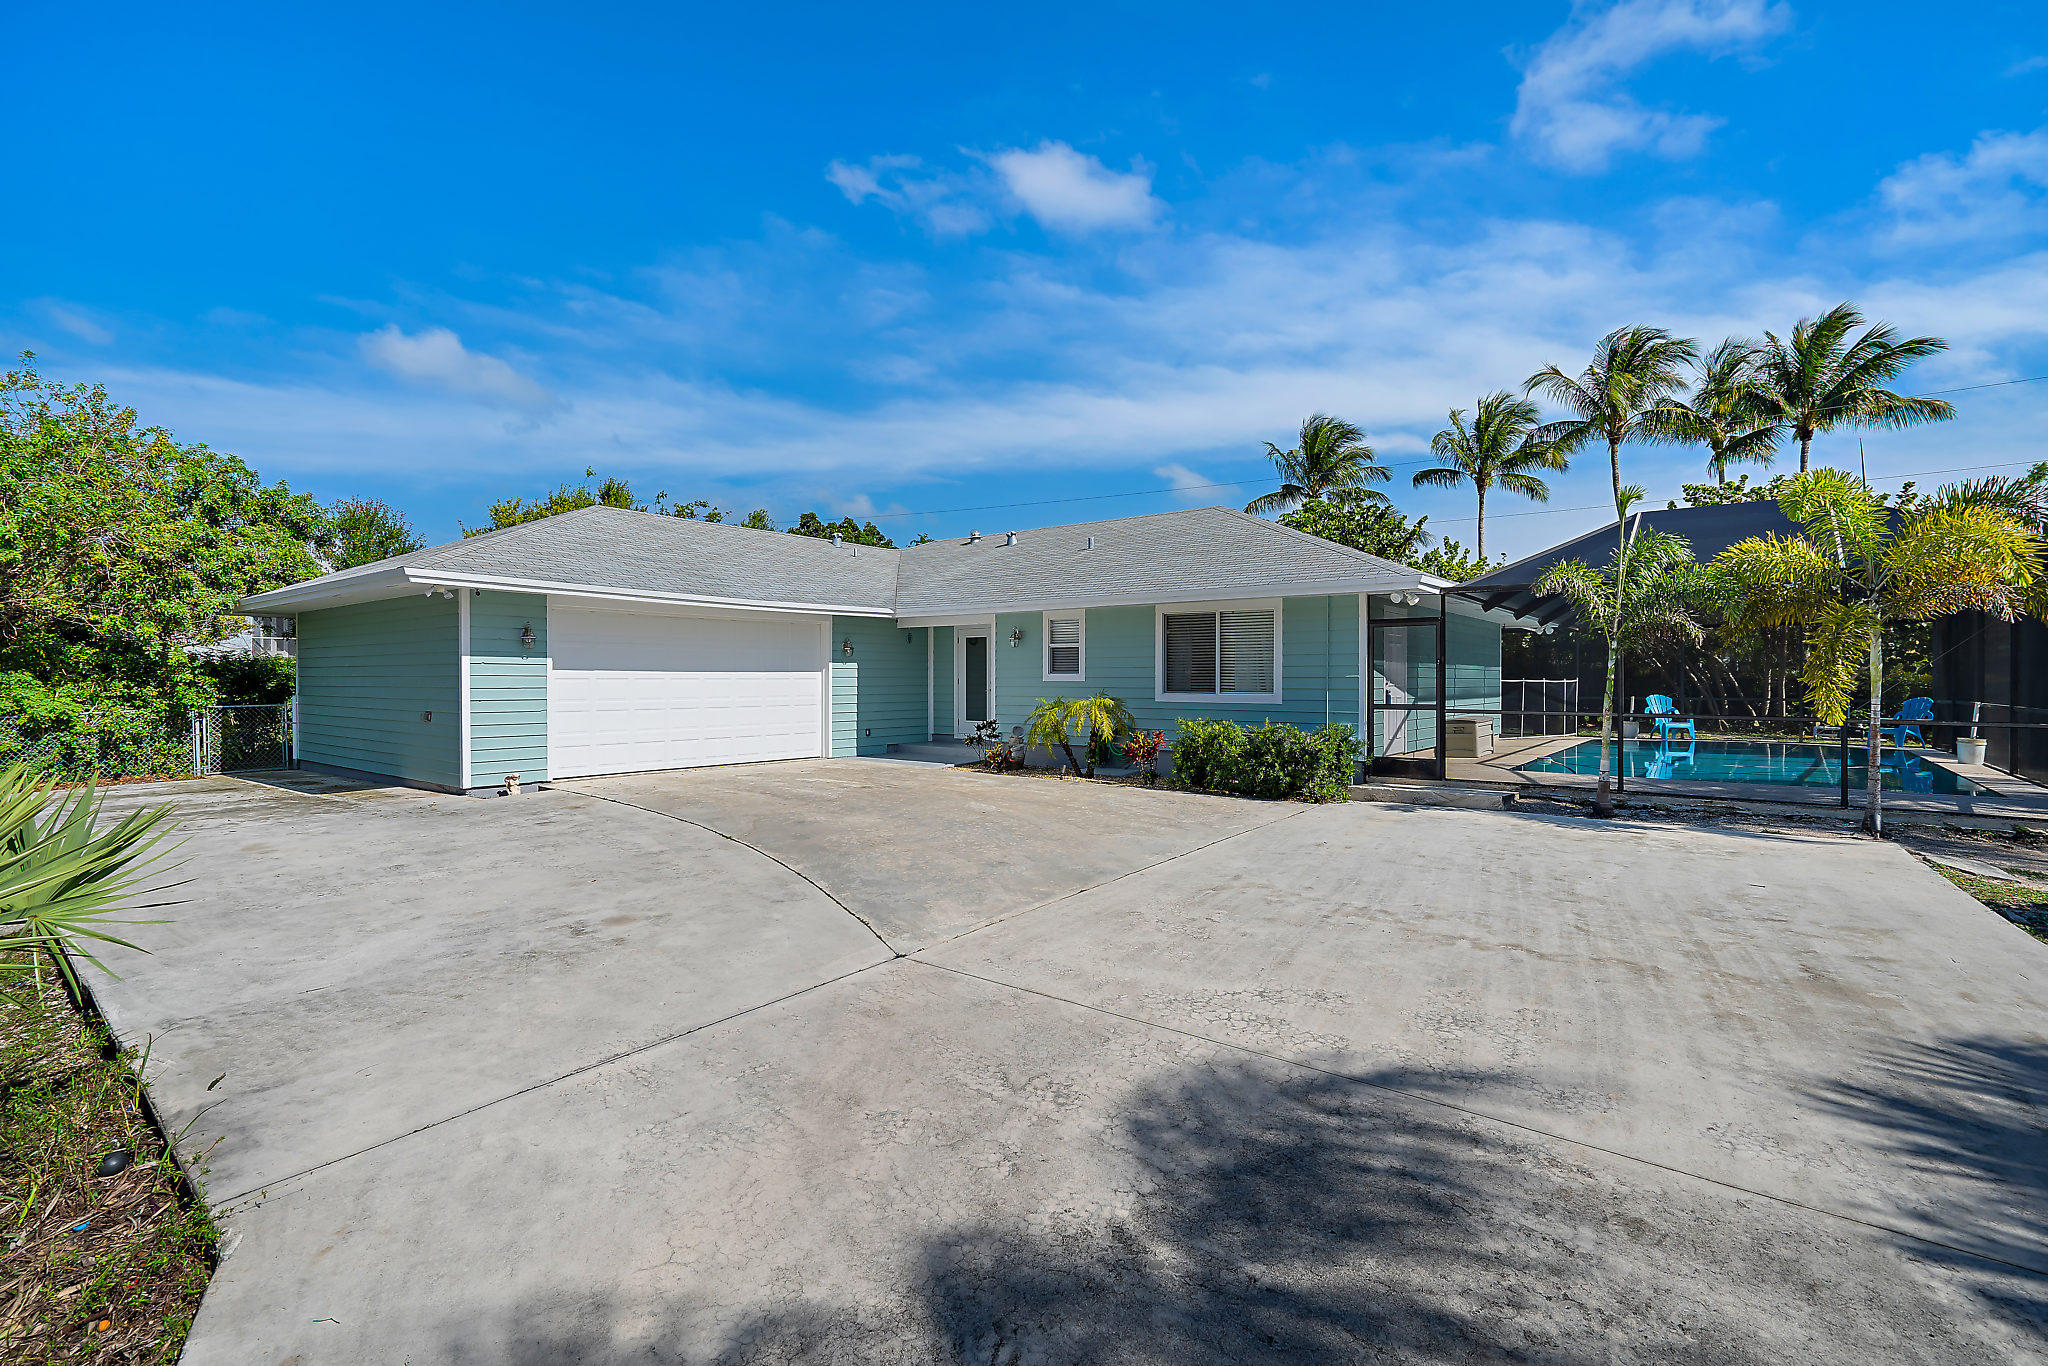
x: 368, y: 673
x: 942, y: 682
x: 878, y: 694
x: 508, y: 688
x: 1318, y: 667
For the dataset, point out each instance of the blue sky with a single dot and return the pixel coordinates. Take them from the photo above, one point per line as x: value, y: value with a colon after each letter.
x: 934, y: 260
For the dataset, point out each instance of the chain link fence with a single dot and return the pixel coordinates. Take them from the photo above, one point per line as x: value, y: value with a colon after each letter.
x: 238, y: 739
x: 114, y: 744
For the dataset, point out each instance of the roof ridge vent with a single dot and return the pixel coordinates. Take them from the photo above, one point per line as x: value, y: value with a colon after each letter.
x: 835, y: 538
x: 973, y: 536
x: 1009, y: 538
x: 1090, y: 545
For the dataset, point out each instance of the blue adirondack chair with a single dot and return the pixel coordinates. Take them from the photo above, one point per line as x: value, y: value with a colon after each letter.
x: 1664, y: 715
x: 1914, y: 709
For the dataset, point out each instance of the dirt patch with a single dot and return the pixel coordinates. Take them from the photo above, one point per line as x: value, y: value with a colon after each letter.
x: 98, y: 1267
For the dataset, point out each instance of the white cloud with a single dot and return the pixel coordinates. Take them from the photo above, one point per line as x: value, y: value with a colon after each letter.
x: 1072, y: 192
x: 946, y: 202
x: 437, y: 356
x: 1998, y: 189
x: 1191, y: 486
x: 2026, y: 66
x: 1571, y: 107
x: 76, y: 322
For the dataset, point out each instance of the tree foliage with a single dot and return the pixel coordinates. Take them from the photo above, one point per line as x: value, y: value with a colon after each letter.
x: 1499, y: 446
x: 1377, y: 529
x: 365, y: 530
x: 1727, y: 412
x: 856, y: 533
x: 1330, y: 461
x: 119, y: 547
x: 1819, y: 379
x: 1858, y: 566
x: 1633, y: 376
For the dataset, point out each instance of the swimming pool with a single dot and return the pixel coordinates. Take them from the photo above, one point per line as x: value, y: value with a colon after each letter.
x: 1755, y: 761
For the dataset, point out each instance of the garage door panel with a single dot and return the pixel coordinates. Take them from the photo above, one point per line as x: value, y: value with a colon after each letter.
x: 633, y: 692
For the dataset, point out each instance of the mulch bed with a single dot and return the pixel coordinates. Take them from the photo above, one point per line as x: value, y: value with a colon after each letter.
x: 96, y: 1268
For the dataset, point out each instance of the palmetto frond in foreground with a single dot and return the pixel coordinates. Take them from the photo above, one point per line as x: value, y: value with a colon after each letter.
x: 1057, y: 722
x: 1332, y: 461
x: 61, y: 879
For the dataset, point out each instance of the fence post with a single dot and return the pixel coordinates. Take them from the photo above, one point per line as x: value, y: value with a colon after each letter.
x: 1842, y: 734
x: 198, y: 747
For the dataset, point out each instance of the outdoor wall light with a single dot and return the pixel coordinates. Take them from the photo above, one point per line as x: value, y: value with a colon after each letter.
x: 1016, y: 636
x: 846, y: 647
x: 526, y: 636
x: 909, y: 637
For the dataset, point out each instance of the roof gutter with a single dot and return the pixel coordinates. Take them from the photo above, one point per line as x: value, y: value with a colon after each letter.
x: 394, y: 583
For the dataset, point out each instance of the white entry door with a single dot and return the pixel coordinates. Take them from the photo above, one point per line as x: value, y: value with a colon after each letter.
x: 631, y: 692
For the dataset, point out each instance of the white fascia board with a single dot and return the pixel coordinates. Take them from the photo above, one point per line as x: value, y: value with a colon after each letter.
x: 1416, y: 582
x: 397, y: 583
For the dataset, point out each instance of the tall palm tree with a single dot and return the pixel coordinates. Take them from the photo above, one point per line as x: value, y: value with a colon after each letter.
x: 1499, y: 447
x: 1726, y: 412
x: 1819, y: 380
x: 1332, y: 461
x: 1649, y: 590
x: 1633, y: 374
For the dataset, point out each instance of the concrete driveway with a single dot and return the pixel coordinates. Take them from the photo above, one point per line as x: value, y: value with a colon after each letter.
x: 640, y: 1072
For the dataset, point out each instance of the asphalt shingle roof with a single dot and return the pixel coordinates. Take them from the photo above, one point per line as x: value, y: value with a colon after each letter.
x: 1199, y: 552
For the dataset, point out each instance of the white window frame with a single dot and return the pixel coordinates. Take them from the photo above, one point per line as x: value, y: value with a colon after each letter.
x: 1160, y: 611
x: 1045, y: 673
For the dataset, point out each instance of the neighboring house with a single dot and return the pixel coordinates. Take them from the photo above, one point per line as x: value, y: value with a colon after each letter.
x: 263, y: 636
x: 607, y: 641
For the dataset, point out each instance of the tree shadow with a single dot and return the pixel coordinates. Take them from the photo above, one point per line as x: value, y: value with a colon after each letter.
x: 1968, y: 1119
x: 1269, y: 1214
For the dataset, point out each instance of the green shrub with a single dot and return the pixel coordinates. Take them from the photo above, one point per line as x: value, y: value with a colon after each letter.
x: 1271, y: 761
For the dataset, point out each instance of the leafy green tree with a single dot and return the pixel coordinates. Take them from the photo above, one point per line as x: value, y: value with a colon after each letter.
x: 1856, y: 568
x: 120, y: 547
x: 1726, y: 411
x: 1618, y: 397
x: 1499, y: 446
x: 1376, y: 528
x: 1649, y: 590
x: 1819, y: 380
x: 1449, y: 561
x: 364, y: 530
x: 1332, y: 461
x: 846, y: 529
x: 611, y: 493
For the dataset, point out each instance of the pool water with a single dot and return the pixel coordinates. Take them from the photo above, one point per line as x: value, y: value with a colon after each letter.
x: 1755, y: 761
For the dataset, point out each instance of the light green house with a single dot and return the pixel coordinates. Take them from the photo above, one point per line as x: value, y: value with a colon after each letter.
x: 607, y: 641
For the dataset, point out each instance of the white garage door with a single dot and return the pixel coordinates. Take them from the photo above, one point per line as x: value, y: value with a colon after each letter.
x: 630, y: 692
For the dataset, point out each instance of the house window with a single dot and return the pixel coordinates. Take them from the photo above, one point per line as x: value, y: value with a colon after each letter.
x: 1066, y: 645
x: 1229, y: 653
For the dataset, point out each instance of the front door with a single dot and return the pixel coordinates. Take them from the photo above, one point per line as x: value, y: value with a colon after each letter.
x: 971, y: 681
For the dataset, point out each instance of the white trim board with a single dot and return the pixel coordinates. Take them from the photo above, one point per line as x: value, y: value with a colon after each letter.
x: 465, y: 762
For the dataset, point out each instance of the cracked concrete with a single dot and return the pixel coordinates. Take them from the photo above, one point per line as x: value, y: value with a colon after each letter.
x: 1352, y: 1083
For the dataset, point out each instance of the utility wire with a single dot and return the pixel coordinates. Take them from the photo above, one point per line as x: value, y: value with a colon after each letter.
x: 1405, y: 464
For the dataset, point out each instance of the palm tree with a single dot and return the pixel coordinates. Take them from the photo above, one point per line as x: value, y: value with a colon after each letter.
x: 1333, y: 461
x: 1633, y: 373
x: 1647, y: 592
x: 1726, y: 413
x: 1056, y: 721
x: 1499, y: 447
x: 1856, y: 568
x: 1820, y: 380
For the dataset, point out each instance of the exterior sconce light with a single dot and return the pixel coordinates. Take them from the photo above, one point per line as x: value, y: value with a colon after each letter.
x: 846, y: 647
x: 526, y: 636
x: 909, y: 637
x: 1016, y: 636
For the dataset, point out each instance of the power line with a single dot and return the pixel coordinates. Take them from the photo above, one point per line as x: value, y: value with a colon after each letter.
x: 1397, y: 465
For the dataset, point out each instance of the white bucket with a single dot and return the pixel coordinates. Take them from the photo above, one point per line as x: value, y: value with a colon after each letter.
x: 1971, y: 751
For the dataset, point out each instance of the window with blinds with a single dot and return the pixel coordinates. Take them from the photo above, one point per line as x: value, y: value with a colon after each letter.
x: 1230, y: 652
x: 1063, y: 646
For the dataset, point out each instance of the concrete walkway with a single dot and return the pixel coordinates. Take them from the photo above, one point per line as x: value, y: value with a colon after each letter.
x: 582, y: 1077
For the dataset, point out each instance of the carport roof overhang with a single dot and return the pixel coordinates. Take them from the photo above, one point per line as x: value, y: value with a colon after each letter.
x: 401, y: 582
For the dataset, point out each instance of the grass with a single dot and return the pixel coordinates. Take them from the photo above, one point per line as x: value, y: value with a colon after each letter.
x: 99, y: 1269
x: 2022, y: 903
